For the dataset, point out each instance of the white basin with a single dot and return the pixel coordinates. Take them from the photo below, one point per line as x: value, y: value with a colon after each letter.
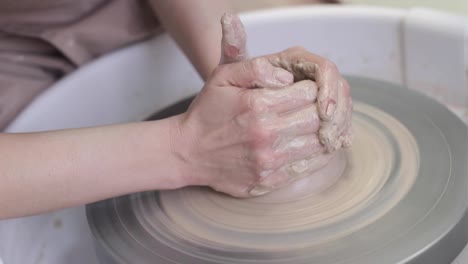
x: 128, y: 85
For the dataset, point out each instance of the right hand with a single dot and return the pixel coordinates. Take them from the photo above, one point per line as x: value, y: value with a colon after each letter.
x: 236, y: 136
x: 247, y: 141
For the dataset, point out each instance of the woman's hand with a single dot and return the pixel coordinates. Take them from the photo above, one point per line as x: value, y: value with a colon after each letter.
x: 252, y: 129
x: 250, y: 124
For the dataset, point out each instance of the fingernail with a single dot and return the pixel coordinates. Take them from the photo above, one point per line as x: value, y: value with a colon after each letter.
x: 330, y: 109
x: 259, y: 190
x: 284, y: 77
x: 226, y: 19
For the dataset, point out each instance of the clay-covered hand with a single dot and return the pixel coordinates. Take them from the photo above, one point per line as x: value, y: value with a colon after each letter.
x: 250, y: 130
x: 259, y: 124
x: 334, y: 101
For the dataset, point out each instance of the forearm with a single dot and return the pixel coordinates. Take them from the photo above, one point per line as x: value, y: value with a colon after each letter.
x: 51, y: 170
x: 194, y: 25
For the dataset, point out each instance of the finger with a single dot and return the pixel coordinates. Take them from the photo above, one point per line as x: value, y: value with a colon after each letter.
x: 235, y: 190
x: 288, y: 174
x: 305, y: 167
x: 290, y: 98
x: 331, y: 130
x: 252, y: 73
x: 304, y: 64
x: 269, y: 184
x: 301, y: 122
x: 299, y: 148
x: 347, y: 136
x: 328, y: 80
x: 233, y: 42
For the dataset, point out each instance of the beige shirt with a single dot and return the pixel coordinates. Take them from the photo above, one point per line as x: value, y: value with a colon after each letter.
x: 41, y: 41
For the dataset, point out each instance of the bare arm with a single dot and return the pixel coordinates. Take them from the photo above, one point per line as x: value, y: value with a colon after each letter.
x: 46, y: 171
x: 51, y: 170
x: 223, y: 141
x: 194, y: 25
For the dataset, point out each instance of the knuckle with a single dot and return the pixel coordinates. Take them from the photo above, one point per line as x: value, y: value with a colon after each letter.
x: 260, y: 136
x: 296, y: 49
x: 257, y: 104
x: 264, y: 160
x: 328, y: 65
x: 257, y: 66
x: 287, y: 53
x: 309, y: 115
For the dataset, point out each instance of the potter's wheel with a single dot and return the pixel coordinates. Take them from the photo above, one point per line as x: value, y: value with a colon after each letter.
x: 399, y: 195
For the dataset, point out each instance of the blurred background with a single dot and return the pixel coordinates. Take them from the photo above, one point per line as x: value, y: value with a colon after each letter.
x: 453, y: 6
x: 459, y: 7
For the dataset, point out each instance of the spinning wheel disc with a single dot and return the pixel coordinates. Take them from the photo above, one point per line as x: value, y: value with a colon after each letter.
x: 399, y: 195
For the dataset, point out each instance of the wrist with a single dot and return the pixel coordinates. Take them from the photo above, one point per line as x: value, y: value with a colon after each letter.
x: 160, y: 161
x: 180, y: 139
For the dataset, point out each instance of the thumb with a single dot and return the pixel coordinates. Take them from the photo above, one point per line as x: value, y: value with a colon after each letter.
x: 233, y: 42
x: 256, y: 73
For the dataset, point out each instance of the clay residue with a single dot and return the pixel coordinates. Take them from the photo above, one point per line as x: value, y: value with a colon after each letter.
x: 58, y: 223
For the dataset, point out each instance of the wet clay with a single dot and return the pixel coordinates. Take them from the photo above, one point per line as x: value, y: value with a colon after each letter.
x: 357, y: 187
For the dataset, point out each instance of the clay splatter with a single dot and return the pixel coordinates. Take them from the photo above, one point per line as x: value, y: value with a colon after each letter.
x: 40, y: 256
